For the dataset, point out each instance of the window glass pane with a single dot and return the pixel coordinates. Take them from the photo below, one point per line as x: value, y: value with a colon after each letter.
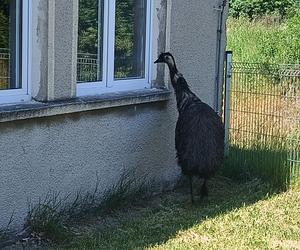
x: 10, y: 44
x: 90, y: 41
x: 130, y: 39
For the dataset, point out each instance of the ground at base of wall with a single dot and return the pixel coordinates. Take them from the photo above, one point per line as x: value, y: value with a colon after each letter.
x: 235, y: 214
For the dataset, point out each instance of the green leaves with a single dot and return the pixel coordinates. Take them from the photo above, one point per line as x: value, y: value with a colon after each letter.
x: 4, y: 24
x: 265, y: 40
x: 88, y: 26
x: 257, y: 8
x: 292, y: 38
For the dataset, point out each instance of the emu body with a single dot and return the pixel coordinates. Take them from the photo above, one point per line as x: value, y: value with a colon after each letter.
x: 199, y: 134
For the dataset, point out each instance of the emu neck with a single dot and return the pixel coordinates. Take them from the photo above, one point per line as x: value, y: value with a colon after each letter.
x: 173, y: 71
x: 182, y: 90
x: 174, y: 74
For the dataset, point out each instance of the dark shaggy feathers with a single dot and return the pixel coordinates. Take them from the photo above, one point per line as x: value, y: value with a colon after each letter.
x: 199, y: 135
x: 199, y: 140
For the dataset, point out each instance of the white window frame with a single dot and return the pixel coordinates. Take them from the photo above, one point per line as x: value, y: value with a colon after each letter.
x: 22, y: 94
x: 108, y: 84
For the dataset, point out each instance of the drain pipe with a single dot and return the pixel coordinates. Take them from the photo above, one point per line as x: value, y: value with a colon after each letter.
x: 218, y: 88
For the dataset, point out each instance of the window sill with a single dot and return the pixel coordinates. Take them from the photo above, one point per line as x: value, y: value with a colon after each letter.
x: 80, y: 104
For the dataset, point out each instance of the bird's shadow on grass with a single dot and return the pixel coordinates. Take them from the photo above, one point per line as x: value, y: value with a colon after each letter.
x: 155, y: 221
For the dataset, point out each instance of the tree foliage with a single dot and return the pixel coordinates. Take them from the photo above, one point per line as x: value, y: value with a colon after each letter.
x: 262, y: 41
x: 88, y: 26
x: 124, y: 26
x: 254, y: 8
x: 292, y: 38
x: 4, y: 23
x: 91, y: 29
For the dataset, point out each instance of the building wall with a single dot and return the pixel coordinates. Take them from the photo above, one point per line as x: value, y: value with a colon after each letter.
x: 193, y: 41
x: 65, y: 152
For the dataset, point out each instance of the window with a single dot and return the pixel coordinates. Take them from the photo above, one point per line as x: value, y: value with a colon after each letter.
x: 13, y: 51
x: 113, y: 45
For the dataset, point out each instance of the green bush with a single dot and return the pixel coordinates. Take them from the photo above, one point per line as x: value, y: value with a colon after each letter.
x: 4, y: 23
x: 292, y: 38
x: 254, y: 8
x: 265, y: 40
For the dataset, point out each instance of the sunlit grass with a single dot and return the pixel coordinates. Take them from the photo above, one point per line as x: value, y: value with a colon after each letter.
x: 271, y: 223
x: 236, y: 216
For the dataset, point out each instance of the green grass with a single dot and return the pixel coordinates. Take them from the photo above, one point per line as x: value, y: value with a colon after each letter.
x: 268, y: 163
x: 265, y: 40
x: 236, y: 216
x: 53, y: 215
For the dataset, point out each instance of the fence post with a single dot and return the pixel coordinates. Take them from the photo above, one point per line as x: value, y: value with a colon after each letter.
x: 227, y: 106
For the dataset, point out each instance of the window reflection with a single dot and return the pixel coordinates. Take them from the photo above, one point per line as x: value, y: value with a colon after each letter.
x: 10, y: 44
x: 130, y: 39
x: 90, y: 41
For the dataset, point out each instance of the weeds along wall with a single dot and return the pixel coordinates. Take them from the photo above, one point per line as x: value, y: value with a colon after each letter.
x: 65, y: 152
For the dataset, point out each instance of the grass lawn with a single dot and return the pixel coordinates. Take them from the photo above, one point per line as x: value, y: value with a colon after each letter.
x: 236, y: 216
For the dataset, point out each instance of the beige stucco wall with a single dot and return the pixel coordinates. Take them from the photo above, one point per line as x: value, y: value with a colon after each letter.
x: 64, y: 152
x: 193, y: 41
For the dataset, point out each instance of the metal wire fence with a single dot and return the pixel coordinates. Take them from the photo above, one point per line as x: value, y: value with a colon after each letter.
x: 87, y: 67
x: 4, y: 68
x: 262, y: 117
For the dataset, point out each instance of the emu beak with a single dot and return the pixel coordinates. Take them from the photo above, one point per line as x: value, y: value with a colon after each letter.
x: 158, y: 61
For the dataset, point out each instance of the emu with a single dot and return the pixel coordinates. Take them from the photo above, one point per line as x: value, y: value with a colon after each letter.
x: 199, y: 134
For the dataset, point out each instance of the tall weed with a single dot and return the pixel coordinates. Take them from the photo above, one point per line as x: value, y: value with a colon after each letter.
x: 265, y: 40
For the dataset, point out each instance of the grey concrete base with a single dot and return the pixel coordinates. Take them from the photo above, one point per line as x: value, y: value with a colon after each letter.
x: 117, y: 99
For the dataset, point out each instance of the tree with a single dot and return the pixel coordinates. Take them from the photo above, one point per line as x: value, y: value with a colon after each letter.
x: 254, y: 8
x: 88, y: 26
x: 4, y: 24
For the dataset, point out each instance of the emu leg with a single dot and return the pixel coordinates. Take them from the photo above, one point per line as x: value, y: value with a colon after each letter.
x: 191, y: 188
x: 204, y: 191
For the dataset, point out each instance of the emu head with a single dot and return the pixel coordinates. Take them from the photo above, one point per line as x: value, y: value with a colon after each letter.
x: 167, y: 58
